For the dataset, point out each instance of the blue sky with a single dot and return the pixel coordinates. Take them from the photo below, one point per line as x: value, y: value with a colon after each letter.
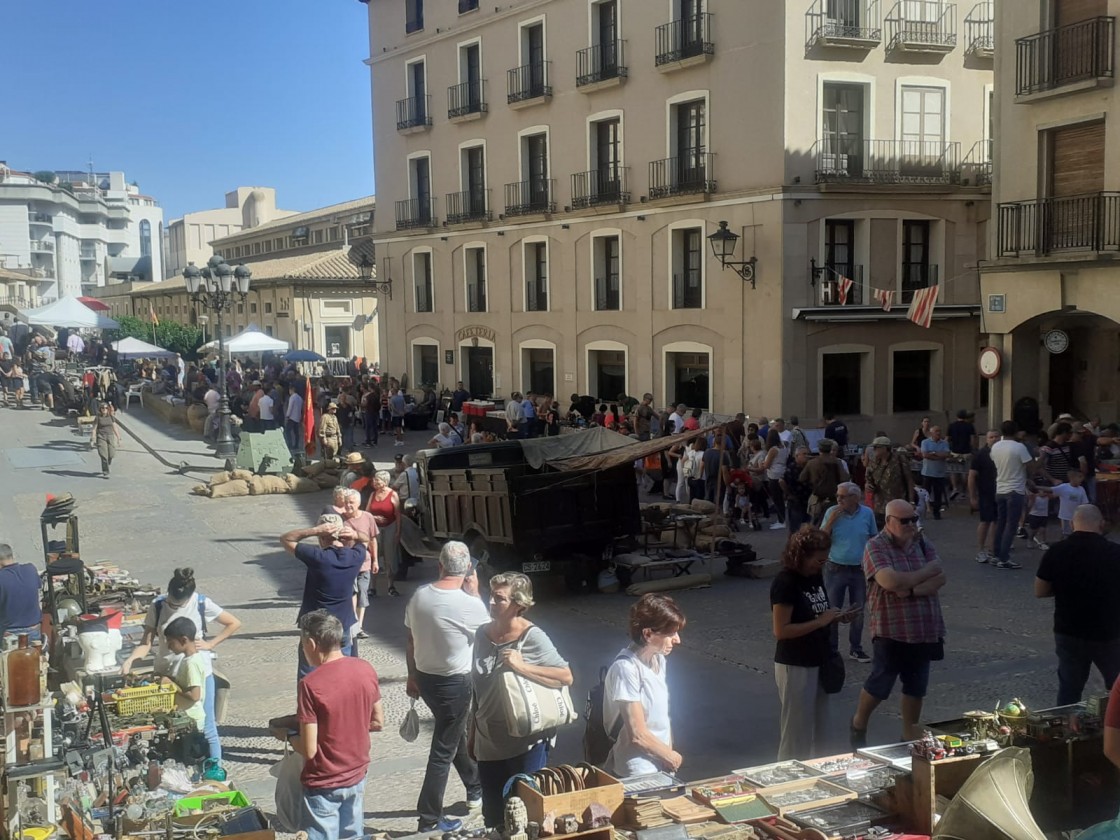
x: 192, y: 99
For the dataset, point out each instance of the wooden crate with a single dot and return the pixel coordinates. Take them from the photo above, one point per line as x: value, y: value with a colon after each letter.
x: 832, y: 794
x: 607, y: 791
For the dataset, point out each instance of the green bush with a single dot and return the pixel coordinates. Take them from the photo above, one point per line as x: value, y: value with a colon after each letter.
x: 180, y: 338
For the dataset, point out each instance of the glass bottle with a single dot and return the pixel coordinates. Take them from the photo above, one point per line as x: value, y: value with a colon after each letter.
x: 23, y: 674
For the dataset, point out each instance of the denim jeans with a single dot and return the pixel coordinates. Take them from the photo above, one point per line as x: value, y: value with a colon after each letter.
x: 333, y: 813
x: 494, y: 774
x: 1009, y: 508
x: 292, y: 435
x: 838, y: 581
x: 1075, y: 658
x: 449, y: 698
x: 348, y: 437
x: 211, y: 728
x: 371, y: 422
x: 936, y: 487
x: 796, y: 515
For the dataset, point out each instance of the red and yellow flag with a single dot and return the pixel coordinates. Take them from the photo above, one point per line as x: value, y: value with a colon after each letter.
x: 152, y: 314
x: 308, y: 421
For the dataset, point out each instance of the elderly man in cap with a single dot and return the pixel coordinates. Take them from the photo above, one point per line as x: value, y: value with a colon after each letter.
x: 332, y: 569
x: 888, y: 478
x: 442, y: 618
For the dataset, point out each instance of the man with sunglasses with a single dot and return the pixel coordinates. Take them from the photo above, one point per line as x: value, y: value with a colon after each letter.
x: 903, y: 575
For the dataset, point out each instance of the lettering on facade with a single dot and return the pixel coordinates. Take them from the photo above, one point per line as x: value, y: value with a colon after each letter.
x: 467, y: 333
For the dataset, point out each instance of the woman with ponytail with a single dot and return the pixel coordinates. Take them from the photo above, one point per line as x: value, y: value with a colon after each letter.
x: 184, y: 601
x: 801, y: 617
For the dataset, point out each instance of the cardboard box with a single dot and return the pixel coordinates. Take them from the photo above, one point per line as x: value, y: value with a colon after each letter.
x: 607, y: 791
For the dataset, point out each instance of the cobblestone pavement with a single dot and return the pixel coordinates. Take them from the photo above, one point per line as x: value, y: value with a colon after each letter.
x: 724, y: 708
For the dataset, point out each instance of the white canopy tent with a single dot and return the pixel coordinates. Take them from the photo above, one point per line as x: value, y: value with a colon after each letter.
x: 71, y: 313
x: 134, y: 348
x: 250, y: 340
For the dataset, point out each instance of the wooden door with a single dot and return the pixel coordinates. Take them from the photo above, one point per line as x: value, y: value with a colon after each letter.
x: 1071, y: 220
x: 1074, y: 11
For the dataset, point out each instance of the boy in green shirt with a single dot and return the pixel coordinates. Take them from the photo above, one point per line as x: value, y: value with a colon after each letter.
x: 191, y: 674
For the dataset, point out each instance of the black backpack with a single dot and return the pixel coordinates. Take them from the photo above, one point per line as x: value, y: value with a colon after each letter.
x: 597, y: 741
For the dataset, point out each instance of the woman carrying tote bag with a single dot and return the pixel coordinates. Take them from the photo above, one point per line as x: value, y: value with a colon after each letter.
x: 509, y: 643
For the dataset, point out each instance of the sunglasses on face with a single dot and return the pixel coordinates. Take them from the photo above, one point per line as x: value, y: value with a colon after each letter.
x: 906, y: 520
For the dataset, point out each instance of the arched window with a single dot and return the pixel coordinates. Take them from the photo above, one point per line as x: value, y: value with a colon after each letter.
x: 145, y: 238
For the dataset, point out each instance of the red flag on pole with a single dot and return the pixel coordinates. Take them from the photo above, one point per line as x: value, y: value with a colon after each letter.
x: 152, y: 314
x: 308, y: 421
x: 921, y: 307
x: 844, y: 285
x: 885, y: 298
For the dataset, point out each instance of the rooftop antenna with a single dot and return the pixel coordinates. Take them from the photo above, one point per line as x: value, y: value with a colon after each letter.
x: 91, y: 178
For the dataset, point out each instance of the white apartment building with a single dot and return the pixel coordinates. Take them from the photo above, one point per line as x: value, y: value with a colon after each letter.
x: 80, y: 231
x: 1051, y: 312
x: 555, y: 168
x: 188, y: 239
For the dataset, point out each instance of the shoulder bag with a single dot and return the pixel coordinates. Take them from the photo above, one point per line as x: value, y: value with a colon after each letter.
x: 831, y: 673
x: 532, y: 708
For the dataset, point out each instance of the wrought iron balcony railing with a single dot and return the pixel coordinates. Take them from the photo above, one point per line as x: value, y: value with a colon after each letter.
x: 843, y: 23
x: 828, y: 287
x: 980, y: 30
x: 466, y: 98
x: 468, y: 206
x: 917, y: 275
x: 537, y: 195
x: 601, y: 62
x: 922, y: 26
x: 851, y: 160
x: 682, y: 175
x: 684, y: 38
x: 529, y: 81
x: 600, y: 186
x: 414, y: 111
x: 415, y: 213
x: 1041, y: 226
x: 1064, y: 56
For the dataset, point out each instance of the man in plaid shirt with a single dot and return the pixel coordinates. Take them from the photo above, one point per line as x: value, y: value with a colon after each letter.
x: 904, y: 575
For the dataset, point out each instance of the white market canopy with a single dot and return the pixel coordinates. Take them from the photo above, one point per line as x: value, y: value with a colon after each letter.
x: 251, y: 340
x: 134, y: 348
x: 71, y: 313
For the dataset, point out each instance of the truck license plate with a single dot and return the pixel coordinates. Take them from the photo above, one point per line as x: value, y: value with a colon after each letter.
x: 536, y: 566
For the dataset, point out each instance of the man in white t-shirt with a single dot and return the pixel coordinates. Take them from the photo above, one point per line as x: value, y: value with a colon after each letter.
x: 266, y: 410
x: 1013, y: 466
x: 442, y: 618
x: 677, y: 418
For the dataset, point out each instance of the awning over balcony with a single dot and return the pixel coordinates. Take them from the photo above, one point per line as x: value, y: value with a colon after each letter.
x: 867, y: 314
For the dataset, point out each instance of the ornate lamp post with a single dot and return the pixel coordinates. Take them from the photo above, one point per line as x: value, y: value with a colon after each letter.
x: 723, y: 247
x: 216, y: 287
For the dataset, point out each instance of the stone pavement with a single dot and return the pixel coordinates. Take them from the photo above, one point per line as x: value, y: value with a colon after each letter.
x: 725, y: 708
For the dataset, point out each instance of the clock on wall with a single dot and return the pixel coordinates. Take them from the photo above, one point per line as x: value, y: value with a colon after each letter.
x: 1056, y: 341
x: 991, y: 360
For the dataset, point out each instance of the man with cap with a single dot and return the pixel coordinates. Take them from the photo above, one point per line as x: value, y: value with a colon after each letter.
x: 332, y: 568
x: 442, y: 618
x: 888, y: 478
x: 823, y: 474
x: 330, y: 433
x: 643, y: 416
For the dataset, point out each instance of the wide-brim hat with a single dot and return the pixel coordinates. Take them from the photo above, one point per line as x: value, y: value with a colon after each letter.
x: 881, y: 441
x: 354, y: 458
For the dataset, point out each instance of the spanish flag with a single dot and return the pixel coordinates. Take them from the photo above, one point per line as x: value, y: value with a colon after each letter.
x: 152, y: 314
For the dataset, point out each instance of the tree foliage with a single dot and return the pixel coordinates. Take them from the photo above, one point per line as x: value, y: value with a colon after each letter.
x: 180, y: 338
x: 45, y: 176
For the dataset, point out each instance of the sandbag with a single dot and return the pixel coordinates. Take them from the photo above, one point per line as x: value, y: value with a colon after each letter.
x: 257, y: 487
x: 315, y: 468
x: 703, y: 506
x: 201, y: 490
x: 275, y: 484
x: 304, y: 485
x: 291, y: 479
x: 241, y: 475
x: 219, y: 478
x: 714, y: 530
x: 229, y: 489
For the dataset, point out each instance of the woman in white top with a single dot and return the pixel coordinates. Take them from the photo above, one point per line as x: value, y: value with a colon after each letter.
x: 776, y: 457
x: 636, y: 697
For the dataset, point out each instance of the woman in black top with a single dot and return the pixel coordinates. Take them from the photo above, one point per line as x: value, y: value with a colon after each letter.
x: 801, y: 615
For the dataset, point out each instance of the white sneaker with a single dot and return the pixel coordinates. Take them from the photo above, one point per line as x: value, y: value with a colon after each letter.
x: 1039, y: 544
x: 777, y: 526
x: 983, y: 557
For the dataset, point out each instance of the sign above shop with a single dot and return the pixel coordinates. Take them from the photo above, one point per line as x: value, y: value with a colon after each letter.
x: 991, y: 360
x: 1056, y: 341
x: 467, y: 333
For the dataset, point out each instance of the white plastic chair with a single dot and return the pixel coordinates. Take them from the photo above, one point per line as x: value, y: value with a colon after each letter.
x: 136, y: 391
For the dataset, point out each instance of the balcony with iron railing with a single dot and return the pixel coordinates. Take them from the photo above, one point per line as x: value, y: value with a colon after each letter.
x: 415, y: 112
x: 1042, y: 226
x: 850, y: 160
x: 917, y: 275
x: 682, y: 175
x: 476, y: 297
x: 608, y: 296
x: 854, y: 24
x: 686, y: 40
x: 828, y: 287
x: 601, y: 64
x: 980, y: 30
x: 600, y: 186
x: 536, y: 295
x: 468, y: 206
x: 688, y: 291
x: 1069, y: 58
x: 413, y: 213
x: 42, y: 246
x: 40, y: 218
x: 976, y: 168
x: 537, y: 195
x: 466, y: 100
x: 529, y: 83
x: 922, y: 26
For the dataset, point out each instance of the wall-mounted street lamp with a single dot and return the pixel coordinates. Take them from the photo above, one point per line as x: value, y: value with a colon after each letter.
x: 723, y: 246
x: 384, y: 287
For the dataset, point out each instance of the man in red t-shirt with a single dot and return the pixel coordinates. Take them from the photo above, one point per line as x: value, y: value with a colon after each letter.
x: 339, y: 704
